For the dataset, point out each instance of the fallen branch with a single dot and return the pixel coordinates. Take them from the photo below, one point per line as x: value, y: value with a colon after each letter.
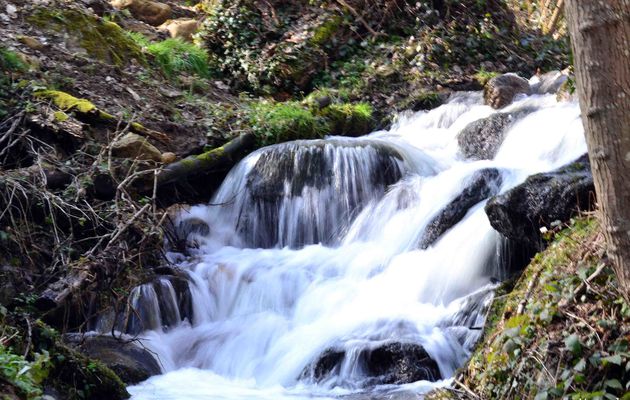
x: 224, y: 156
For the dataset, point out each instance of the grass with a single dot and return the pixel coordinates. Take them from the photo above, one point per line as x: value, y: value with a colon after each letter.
x: 10, y: 61
x: 279, y: 122
x: 175, y: 56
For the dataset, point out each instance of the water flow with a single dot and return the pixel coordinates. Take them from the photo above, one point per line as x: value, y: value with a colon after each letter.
x: 308, y: 278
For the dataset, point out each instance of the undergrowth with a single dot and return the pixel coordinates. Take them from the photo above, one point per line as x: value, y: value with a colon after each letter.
x: 562, y: 333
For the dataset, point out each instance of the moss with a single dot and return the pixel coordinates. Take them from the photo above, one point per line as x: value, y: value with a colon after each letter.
x: 209, y: 157
x: 325, y: 32
x: 551, y: 321
x: 74, y: 374
x: 280, y: 122
x: 60, y: 116
x: 482, y: 76
x: 67, y: 102
x: 103, y: 40
x: 348, y: 119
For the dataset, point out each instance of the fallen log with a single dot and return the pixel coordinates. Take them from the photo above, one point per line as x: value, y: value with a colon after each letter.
x: 221, y: 157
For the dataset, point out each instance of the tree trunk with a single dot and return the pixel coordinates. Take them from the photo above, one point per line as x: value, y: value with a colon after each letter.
x: 600, y: 36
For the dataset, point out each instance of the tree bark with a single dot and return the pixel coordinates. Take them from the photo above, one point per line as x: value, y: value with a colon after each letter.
x: 600, y: 36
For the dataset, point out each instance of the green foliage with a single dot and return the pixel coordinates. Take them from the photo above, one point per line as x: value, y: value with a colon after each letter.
x: 279, y: 122
x: 482, y: 76
x: 26, y: 376
x: 348, y: 119
x: 569, y: 341
x: 175, y: 56
x: 10, y: 61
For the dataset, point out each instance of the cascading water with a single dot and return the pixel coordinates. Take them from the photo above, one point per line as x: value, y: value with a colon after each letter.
x: 344, y: 266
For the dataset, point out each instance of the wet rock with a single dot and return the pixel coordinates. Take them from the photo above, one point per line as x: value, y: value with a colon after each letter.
x: 482, y: 184
x: 130, y: 362
x: 135, y: 146
x: 151, y: 12
x: 541, y: 201
x: 500, y: 90
x: 399, y: 363
x: 481, y: 139
x: 182, y: 28
x: 550, y: 82
x: 306, y: 164
x: 393, y: 363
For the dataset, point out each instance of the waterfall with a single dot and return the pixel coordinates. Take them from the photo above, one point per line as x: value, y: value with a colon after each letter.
x: 339, y: 267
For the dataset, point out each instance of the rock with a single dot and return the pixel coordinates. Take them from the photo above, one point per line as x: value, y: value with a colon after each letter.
x: 481, y: 139
x: 542, y: 200
x: 135, y: 147
x: 500, y: 90
x: 168, y: 157
x: 481, y: 185
x: 57, y: 179
x: 399, y: 363
x: 31, y: 43
x: 151, y: 12
x: 549, y: 83
x: 182, y: 28
x: 393, y: 363
x: 104, y: 187
x: 131, y: 363
x: 99, y: 7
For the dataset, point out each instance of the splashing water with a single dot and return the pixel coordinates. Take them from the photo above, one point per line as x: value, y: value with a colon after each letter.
x: 313, y: 254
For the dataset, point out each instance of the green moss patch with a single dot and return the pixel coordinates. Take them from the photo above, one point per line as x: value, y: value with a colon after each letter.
x: 103, y: 40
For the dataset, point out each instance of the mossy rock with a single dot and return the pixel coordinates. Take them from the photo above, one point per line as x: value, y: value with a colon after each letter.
x: 349, y: 119
x: 73, y: 374
x: 103, y: 40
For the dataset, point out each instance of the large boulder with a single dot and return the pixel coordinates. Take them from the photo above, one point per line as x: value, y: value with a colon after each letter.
x: 481, y: 139
x: 500, y: 90
x: 393, y: 363
x: 151, y: 12
x: 541, y: 201
x: 130, y: 362
x: 482, y: 184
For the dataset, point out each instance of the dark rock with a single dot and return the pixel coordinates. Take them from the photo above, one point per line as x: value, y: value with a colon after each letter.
x: 399, y: 363
x: 131, y: 363
x: 500, y: 90
x: 104, y: 187
x: 393, y: 363
x: 541, y: 200
x: 481, y: 139
x: 482, y: 184
x: 314, y: 168
x: 57, y: 179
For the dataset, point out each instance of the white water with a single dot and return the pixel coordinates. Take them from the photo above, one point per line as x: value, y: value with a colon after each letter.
x: 263, y: 315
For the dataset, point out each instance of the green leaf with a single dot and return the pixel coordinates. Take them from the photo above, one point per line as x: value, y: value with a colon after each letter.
x: 580, y: 366
x: 572, y: 343
x: 613, y: 383
x: 614, y: 359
